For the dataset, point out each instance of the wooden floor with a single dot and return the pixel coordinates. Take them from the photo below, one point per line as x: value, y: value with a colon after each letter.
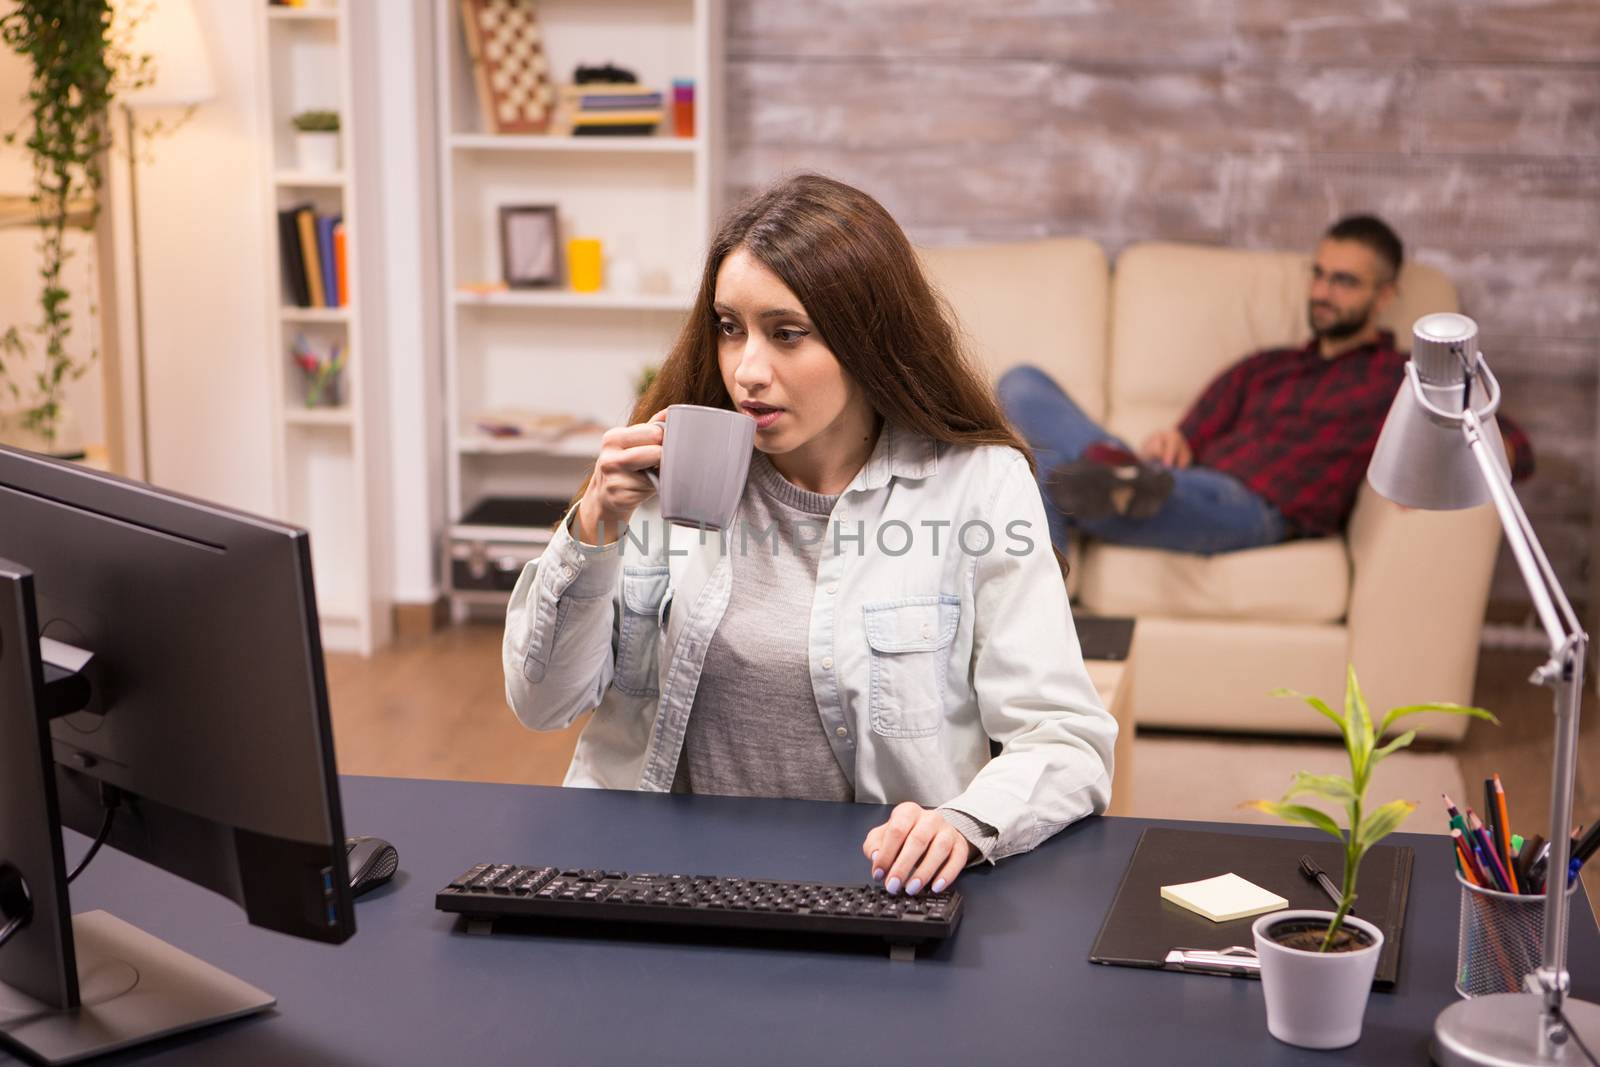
x: 436, y: 709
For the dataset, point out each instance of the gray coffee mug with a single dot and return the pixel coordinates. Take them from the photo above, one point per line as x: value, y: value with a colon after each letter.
x: 705, y: 456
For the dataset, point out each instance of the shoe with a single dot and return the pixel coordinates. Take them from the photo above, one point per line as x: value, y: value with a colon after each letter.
x: 1109, y: 480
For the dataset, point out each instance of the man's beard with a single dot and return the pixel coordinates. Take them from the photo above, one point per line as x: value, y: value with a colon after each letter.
x: 1340, y: 328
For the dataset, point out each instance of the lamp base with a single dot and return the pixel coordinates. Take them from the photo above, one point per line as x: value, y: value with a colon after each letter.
x: 1502, y: 1030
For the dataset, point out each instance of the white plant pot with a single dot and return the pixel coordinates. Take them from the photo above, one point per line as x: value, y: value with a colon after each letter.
x: 1315, y: 999
x: 317, y: 151
x: 68, y: 440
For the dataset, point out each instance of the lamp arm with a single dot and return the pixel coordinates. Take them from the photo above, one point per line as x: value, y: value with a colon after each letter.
x: 1563, y: 673
x: 1555, y: 612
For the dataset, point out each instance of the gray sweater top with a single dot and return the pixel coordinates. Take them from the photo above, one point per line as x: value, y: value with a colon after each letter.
x: 754, y: 729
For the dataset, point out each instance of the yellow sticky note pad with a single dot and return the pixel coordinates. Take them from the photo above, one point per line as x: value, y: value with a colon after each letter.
x: 1227, y: 896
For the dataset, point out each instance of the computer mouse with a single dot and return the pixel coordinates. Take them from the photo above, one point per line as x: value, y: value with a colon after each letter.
x: 372, y: 861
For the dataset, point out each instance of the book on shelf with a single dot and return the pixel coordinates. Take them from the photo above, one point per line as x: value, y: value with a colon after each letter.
x: 330, y: 287
x: 340, y: 274
x: 592, y: 102
x: 313, y: 254
x: 611, y: 108
x: 593, y: 96
x: 305, y: 218
x: 294, y: 267
x: 535, y: 427
x: 629, y: 129
x: 617, y: 118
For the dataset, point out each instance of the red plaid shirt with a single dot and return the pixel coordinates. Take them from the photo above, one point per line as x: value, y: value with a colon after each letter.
x: 1299, y: 430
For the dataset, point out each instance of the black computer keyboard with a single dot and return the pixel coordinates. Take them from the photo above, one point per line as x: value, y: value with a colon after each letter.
x: 495, y: 890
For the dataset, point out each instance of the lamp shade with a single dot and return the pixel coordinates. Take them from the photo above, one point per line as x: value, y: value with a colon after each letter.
x: 169, y: 33
x: 1423, y: 459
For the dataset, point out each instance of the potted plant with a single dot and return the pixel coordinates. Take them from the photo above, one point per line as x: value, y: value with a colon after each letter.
x: 76, y: 66
x: 317, y: 141
x: 321, y: 372
x: 1317, y: 966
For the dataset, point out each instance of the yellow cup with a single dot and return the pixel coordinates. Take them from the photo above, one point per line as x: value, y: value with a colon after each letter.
x: 583, y: 264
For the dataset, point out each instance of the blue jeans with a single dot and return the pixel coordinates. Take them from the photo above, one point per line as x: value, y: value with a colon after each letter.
x: 1208, y: 511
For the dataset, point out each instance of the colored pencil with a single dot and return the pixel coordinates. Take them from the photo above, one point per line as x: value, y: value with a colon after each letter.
x: 1503, y: 824
x: 1491, y: 860
x: 1475, y: 859
x: 1464, y: 859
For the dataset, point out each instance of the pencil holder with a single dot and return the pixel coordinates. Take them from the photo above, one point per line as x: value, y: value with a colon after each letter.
x: 1501, y: 939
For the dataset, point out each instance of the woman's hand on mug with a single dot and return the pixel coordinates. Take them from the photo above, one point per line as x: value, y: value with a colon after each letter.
x: 916, y: 849
x: 618, y: 485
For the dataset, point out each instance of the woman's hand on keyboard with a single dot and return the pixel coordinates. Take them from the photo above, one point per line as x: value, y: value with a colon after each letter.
x: 916, y: 849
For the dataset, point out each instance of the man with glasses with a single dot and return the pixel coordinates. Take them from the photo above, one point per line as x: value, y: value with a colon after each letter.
x: 1274, y: 448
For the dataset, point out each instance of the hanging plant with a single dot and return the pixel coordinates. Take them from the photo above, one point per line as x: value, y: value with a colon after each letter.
x: 75, y: 65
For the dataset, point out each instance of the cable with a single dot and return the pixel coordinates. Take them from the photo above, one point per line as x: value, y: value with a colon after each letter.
x: 16, y: 902
x: 10, y: 929
x: 112, y: 798
x: 1572, y: 1032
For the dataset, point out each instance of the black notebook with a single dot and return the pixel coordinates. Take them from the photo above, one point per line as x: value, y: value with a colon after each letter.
x: 1141, y: 927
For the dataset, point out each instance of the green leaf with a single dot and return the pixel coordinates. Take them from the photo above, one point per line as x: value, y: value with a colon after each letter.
x: 1335, y: 787
x: 1396, y: 714
x: 1382, y: 822
x: 1398, y: 743
x: 1299, y: 813
x: 1320, y: 705
x: 1355, y: 709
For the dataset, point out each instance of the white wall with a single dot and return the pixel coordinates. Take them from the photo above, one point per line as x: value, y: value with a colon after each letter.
x: 407, y: 149
x: 204, y: 253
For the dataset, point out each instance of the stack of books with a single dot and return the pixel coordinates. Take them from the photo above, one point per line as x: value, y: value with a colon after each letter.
x: 611, y: 109
x: 312, y: 248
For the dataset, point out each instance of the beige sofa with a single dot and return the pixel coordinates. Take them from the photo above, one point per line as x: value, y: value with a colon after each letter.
x: 1401, y: 595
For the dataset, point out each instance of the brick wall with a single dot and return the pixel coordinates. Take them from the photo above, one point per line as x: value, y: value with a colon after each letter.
x: 1472, y: 125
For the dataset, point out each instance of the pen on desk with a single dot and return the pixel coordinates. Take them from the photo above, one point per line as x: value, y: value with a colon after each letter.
x: 1583, y: 850
x: 1536, y: 867
x: 1525, y: 856
x: 1313, y: 873
x: 1491, y: 817
x: 1541, y: 863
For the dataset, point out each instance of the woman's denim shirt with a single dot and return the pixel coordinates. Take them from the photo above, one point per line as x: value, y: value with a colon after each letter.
x: 939, y: 622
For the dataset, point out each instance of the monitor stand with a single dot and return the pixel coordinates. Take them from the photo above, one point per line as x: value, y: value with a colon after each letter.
x: 75, y: 986
x: 132, y: 988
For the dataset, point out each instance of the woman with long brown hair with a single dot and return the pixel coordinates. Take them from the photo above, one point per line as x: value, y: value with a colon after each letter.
x: 903, y: 607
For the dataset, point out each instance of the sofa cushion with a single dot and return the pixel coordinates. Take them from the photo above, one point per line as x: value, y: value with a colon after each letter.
x: 1299, y: 581
x: 1042, y: 302
x: 1181, y: 314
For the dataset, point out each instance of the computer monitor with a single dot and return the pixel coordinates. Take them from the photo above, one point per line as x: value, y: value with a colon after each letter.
x: 181, y: 682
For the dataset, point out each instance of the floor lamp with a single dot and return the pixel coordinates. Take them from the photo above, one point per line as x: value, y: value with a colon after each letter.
x: 1439, y: 452
x: 168, y: 33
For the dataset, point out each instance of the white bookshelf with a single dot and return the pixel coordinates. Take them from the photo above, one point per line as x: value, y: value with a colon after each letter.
x: 329, y: 458
x: 652, y: 200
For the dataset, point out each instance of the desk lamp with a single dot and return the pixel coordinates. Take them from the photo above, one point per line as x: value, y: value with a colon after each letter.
x: 1438, y: 452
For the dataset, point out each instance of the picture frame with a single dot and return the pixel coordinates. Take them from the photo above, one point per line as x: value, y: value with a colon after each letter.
x: 530, y: 246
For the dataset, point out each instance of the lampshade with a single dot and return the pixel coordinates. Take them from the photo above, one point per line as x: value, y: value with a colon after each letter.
x: 169, y: 33
x: 1422, y: 459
